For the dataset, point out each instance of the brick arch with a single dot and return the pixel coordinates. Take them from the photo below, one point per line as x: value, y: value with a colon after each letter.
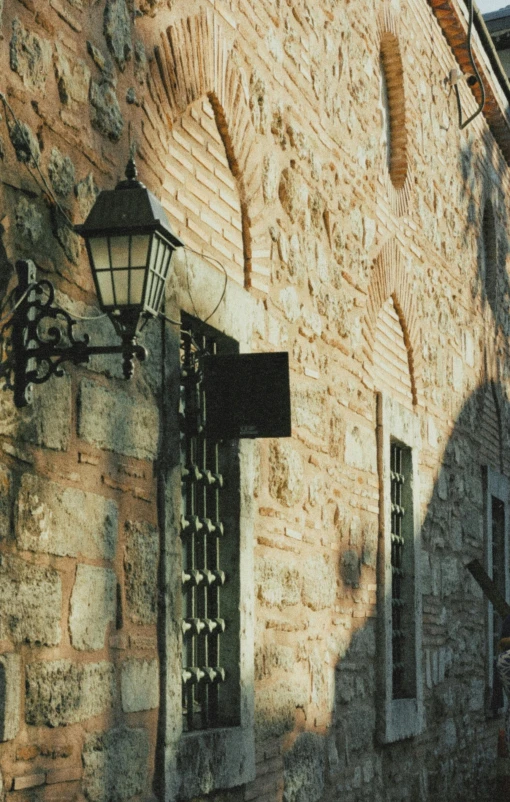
x: 196, y: 59
x: 397, y: 182
x: 390, y: 280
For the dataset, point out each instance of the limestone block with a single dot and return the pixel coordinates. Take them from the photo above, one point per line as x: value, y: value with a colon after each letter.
x: 30, y: 602
x: 304, y: 768
x: 46, y: 422
x: 277, y: 584
x: 351, y: 568
x: 5, y: 502
x: 93, y: 606
x: 139, y: 685
x: 289, y: 303
x: 116, y: 421
x: 60, y: 692
x: 30, y: 56
x: 73, y: 77
x: 141, y: 570
x: 293, y: 193
x: 10, y: 696
x: 117, y: 31
x: 275, y: 708
x: 86, y: 192
x: 360, y: 448
x: 272, y: 657
x: 309, y: 411
x: 319, y: 583
x: 61, y: 172
x: 30, y: 223
x: 286, y: 473
x: 106, y: 116
x: 64, y: 520
x: 115, y: 765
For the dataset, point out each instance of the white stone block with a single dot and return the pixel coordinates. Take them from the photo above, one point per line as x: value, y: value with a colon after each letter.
x: 139, y: 685
x: 93, y: 606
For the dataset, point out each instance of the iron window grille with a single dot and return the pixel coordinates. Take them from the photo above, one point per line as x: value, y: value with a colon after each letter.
x: 210, y: 538
x: 402, y: 579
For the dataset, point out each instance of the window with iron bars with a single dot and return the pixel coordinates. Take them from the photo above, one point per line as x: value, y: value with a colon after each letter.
x: 402, y: 574
x: 210, y: 546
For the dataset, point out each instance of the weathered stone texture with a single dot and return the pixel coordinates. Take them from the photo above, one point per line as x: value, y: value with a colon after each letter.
x: 86, y: 193
x: 30, y: 56
x: 73, y: 77
x: 304, y: 769
x: 115, y: 765
x: 141, y: 571
x: 30, y: 602
x: 117, y: 30
x: 106, y: 116
x: 5, y: 502
x: 10, y: 696
x: 64, y: 521
x: 276, y: 708
x: 139, y: 685
x: 286, y: 473
x: 118, y: 422
x: 61, y: 172
x: 277, y: 584
x: 93, y: 606
x: 47, y: 422
x: 319, y: 583
x: 60, y: 692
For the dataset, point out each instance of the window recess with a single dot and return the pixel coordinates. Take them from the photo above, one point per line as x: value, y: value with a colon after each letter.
x: 210, y: 545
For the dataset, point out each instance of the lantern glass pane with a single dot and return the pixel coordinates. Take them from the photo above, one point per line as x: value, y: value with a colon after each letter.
x: 160, y: 287
x: 136, y: 289
x: 104, y: 281
x: 119, y: 247
x: 99, y: 250
x: 139, y: 249
x: 121, y: 286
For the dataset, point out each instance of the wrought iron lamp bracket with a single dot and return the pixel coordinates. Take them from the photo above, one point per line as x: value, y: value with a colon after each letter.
x: 42, y: 338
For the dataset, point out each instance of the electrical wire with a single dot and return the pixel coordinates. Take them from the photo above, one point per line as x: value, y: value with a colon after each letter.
x: 465, y: 123
x: 47, y: 186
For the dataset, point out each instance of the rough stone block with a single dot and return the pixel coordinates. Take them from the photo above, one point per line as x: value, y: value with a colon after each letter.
x: 47, y: 422
x: 277, y: 584
x: 10, y: 695
x: 30, y: 56
x: 106, y: 116
x: 61, y: 171
x: 139, y: 685
x: 285, y: 473
x: 93, y: 606
x: 116, y: 421
x: 61, y: 692
x: 30, y: 602
x: 73, y: 78
x: 141, y: 569
x: 304, y: 767
x: 319, y: 583
x: 65, y: 521
x: 117, y: 31
x: 275, y: 708
x: 360, y: 449
x: 115, y: 765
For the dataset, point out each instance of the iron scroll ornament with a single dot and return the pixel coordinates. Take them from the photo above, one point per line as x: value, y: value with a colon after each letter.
x: 38, y: 338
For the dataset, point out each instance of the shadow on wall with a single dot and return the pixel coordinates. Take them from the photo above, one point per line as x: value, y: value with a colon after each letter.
x: 454, y: 757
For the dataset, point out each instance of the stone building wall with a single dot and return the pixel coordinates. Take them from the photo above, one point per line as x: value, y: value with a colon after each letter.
x: 259, y: 125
